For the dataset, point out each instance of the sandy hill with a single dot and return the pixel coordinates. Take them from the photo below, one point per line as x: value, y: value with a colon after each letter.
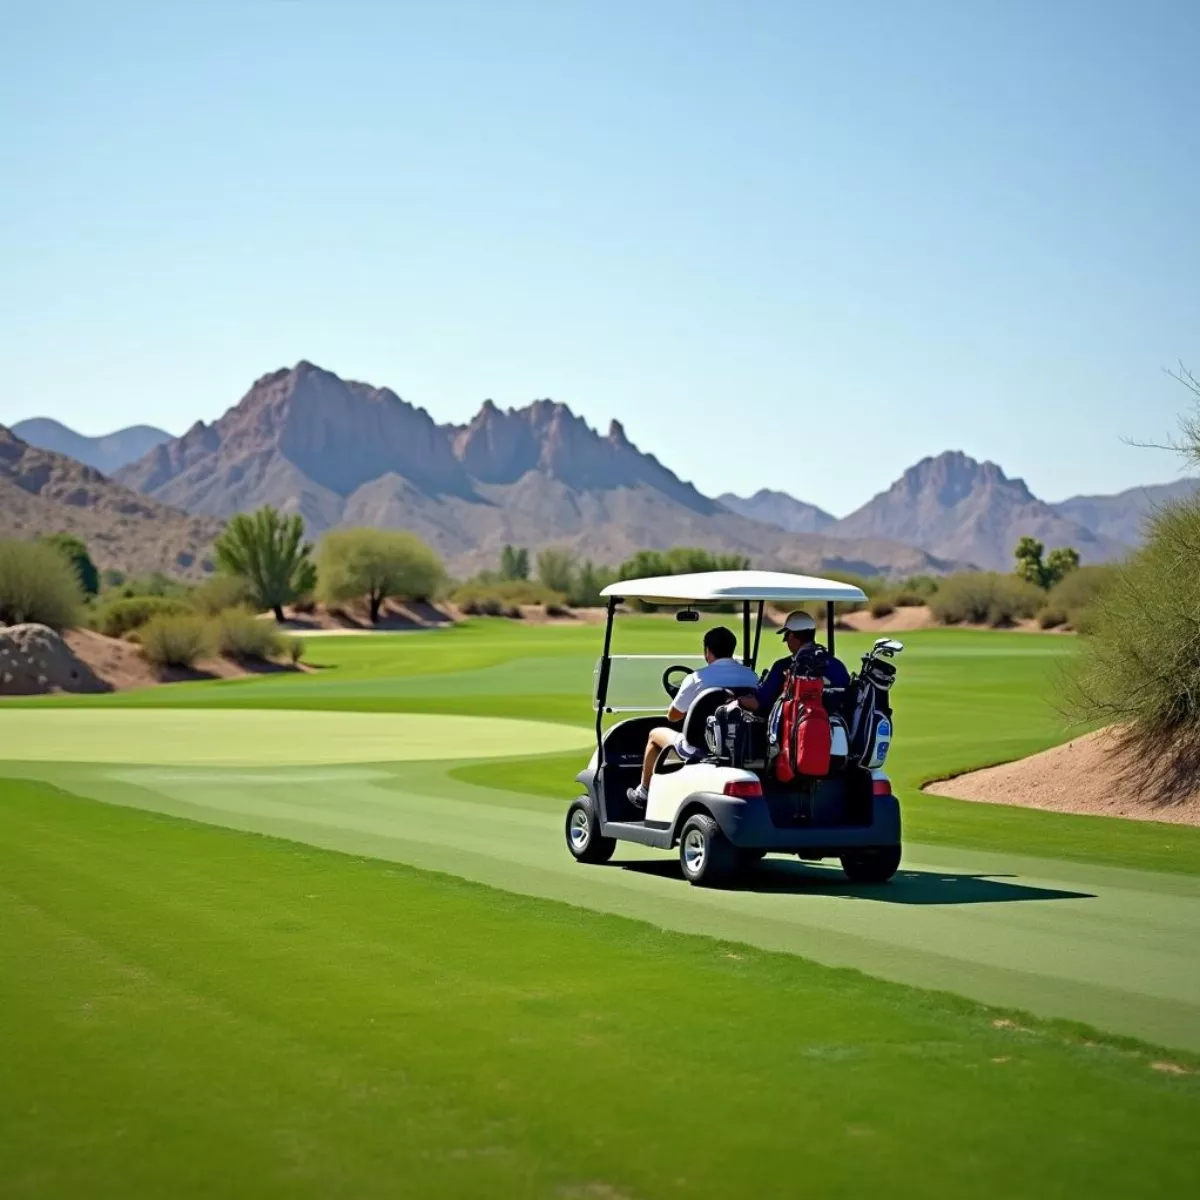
x: 955, y: 507
x: 42, y: 492
x: 345, y: 453
x: 107, y: 453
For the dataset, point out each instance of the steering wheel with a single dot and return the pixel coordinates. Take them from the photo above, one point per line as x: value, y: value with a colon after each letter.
x: 672, y: 689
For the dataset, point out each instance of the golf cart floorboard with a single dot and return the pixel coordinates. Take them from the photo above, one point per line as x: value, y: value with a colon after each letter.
x: 647, y: 834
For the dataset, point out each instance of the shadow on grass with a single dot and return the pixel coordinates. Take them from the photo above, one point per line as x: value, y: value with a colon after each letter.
x: 907, y: 887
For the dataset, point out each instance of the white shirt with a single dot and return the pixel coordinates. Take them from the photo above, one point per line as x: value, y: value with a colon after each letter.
x: 720, y: 673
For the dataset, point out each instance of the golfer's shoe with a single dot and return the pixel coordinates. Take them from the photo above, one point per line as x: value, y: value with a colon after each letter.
x: 638, y: 796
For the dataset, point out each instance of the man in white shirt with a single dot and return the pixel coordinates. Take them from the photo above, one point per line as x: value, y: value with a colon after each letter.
x: 723, y: 671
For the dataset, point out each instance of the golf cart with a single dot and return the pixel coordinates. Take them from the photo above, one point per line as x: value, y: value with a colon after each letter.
x: 729, y: 809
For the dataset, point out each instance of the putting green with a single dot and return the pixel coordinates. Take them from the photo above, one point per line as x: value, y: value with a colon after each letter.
x: 225, y: 737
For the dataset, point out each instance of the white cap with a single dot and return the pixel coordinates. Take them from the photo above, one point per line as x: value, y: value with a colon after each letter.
x: 798, y: 622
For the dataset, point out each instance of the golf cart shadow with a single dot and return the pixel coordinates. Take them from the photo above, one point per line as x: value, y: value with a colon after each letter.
x: 906, y: 887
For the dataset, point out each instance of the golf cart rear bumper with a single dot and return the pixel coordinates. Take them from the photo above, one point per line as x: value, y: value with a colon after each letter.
x: 748, y: 825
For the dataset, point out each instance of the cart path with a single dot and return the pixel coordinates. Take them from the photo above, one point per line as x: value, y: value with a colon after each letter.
x: 1114, y: 948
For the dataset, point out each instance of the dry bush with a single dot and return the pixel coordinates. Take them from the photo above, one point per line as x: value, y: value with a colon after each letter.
x: 119, y: 618
x: 985, y: 598
x: 242, y: 637
x: 175, y: 641
x: 1140, y: 665
x: 38, y: 585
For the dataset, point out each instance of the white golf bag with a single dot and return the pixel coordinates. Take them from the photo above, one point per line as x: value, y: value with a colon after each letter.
x: 870, y: 709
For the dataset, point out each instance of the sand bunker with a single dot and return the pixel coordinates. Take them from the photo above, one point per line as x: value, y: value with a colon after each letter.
x: 1082, y: 776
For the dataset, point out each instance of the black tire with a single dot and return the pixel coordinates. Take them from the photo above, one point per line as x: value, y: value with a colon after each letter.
x: 583, y: 834
x: 872, y: 866
x: 706, y: 856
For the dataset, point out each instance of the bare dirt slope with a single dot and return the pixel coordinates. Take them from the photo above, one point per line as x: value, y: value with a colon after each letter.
x: 1081, y: 776
x: 42, y: 492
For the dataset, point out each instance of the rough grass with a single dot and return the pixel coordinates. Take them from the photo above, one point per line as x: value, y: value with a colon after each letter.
x: 38, y: 584
x: 200, y: 1012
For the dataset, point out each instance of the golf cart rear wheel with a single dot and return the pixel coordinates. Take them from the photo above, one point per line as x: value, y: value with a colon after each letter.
x: 584, y: 839
x: 872, y: 866
x: 706, y: 856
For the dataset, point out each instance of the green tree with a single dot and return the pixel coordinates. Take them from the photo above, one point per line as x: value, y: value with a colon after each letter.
x: 376, y: 565
x: 75, y: 551
x: 269, y: 553
x: 514, y: 562
x: 1060, y: 563
x: 1029, y: 561
x: 556, y: 569
x: 590, y: 580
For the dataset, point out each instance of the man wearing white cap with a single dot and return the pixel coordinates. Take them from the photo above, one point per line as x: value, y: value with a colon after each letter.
x: 799, y: 632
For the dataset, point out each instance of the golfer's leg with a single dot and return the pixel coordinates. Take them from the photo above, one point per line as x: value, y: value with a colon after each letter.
x: 654, y: 743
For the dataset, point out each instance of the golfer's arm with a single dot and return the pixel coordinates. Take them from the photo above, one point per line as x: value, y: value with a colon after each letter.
x: 673, y: 714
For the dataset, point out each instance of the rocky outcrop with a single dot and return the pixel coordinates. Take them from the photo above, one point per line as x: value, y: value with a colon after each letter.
x: 35, y: 660
x: 955, y: 507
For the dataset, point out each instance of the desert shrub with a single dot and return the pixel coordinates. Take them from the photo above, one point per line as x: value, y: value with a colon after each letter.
x: 175, y: 641
x: 492, y: 599
x: 156, y: 584
x: 38, y: 584
x: 985, y: 598
x: 239, y: 635
x: 122, y: 616
x: 221, y: 592
x: 295, y: 649
x: 906, y: 598
x: 556, y: 610
x: 556, y: 569
x: 1076, y: 594
x: 514, y: 612
x: 75, y: 551
x: 923, y: 586
x: 1139, y: 667
x: 1051, y: 617
x: 375, y: 564
x: 882, y: 606
x: 590, y: 581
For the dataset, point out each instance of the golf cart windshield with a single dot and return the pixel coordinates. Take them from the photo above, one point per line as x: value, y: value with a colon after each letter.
x: 635, y: 681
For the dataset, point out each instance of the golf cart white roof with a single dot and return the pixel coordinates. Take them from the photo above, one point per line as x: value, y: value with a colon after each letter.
x: 722, y: 586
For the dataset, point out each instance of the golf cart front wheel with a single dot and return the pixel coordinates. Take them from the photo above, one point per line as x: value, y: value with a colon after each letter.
x: 584, y: 839
x: 706, y: 856
x: 872, y: 866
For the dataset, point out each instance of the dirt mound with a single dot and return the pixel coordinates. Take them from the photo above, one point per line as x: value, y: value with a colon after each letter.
x: 900, y: 620
x: 119, y: 663
x: 1087, y: 775
x: 35, y: 660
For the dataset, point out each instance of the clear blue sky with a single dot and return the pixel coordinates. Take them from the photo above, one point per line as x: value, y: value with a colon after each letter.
x: 890, y: 228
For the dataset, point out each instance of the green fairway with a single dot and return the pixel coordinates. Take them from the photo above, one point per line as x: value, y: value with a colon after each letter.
x: 186, y: 737
x: 201, y: 1013
x: 391, y: 997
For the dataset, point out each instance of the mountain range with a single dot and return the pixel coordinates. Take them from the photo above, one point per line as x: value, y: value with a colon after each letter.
x: 43, y: 492
x: 341, y: 452
x: 108, y: 453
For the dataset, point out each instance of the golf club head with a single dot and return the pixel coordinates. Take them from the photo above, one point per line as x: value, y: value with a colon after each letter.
x: 888, y: 646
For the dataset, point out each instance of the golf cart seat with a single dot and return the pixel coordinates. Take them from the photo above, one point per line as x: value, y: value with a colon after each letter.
x: 695, y: 721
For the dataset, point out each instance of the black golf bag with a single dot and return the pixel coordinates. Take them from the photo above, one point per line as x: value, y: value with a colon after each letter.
x: 869, y: 711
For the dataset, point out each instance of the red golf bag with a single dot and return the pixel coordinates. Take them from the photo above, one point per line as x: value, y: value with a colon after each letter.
x: 804, y: 736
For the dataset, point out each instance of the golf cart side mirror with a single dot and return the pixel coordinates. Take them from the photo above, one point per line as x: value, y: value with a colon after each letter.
x: 687, y: 615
